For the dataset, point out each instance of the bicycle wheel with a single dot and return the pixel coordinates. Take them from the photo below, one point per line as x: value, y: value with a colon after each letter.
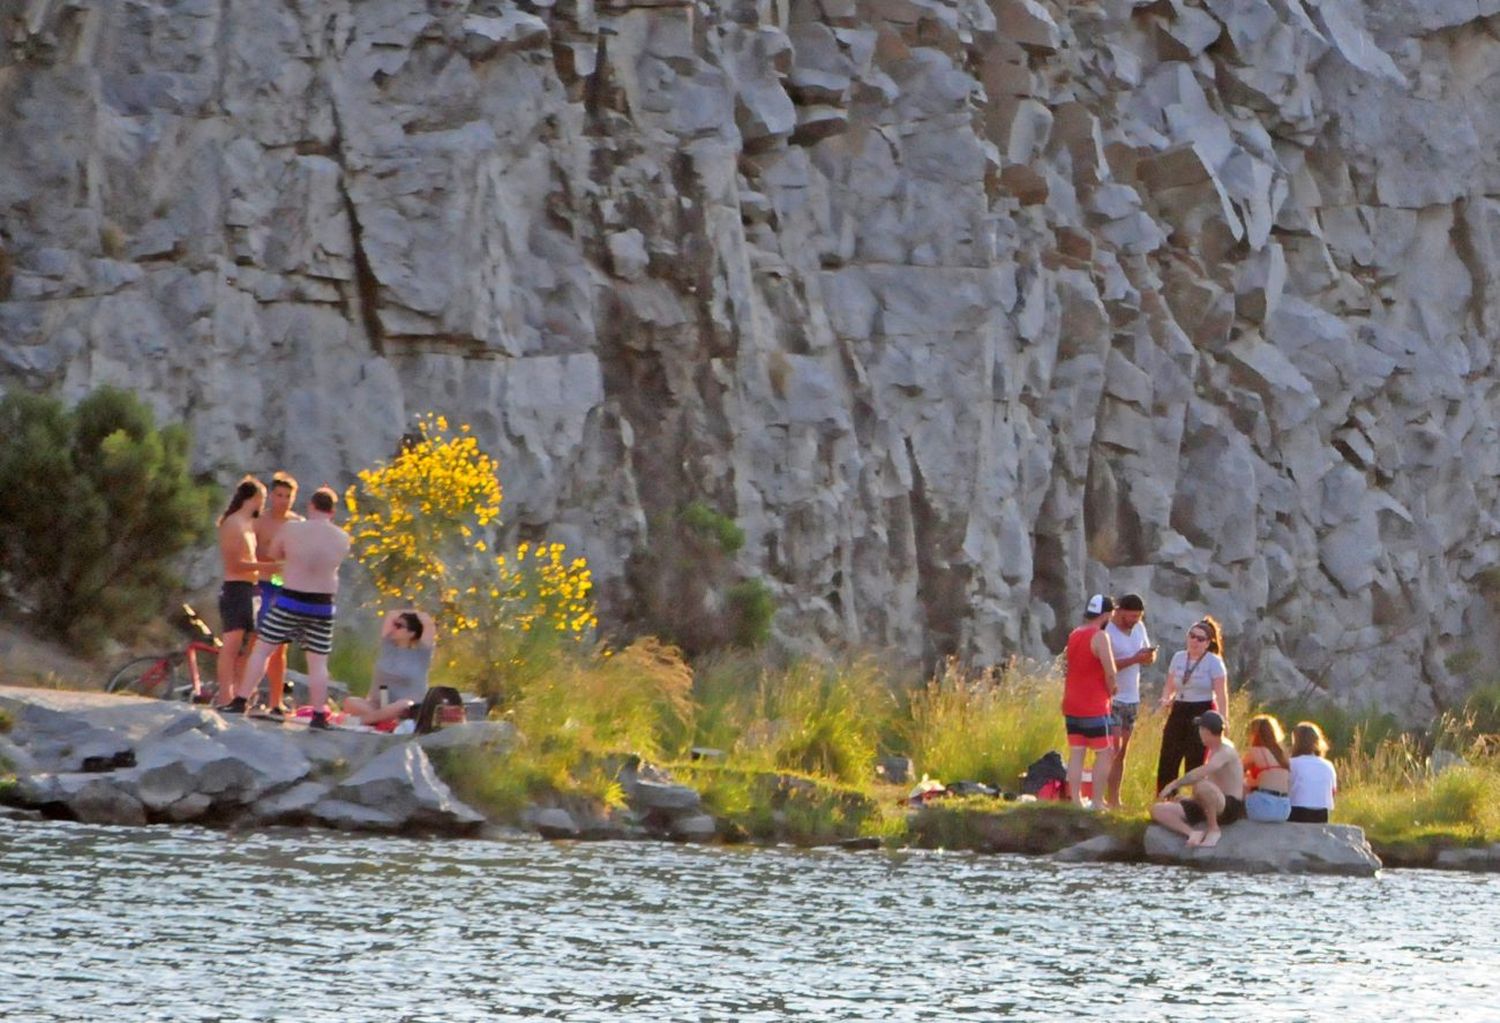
x: 154, y: 675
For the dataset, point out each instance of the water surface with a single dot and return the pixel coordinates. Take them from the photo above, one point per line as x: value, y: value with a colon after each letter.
x: 183, y: 924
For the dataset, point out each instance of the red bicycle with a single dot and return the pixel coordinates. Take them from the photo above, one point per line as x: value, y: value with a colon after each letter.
x: 162, y: 676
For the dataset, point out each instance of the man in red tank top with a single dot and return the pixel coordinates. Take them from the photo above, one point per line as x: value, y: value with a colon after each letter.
x: 1088, y: 687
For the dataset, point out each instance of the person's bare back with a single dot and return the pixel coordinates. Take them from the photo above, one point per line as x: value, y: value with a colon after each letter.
x: 311, y: 552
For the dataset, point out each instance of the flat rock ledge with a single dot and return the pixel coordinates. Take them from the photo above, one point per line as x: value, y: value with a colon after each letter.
x: 1252, y: 847
x: 111, y: 759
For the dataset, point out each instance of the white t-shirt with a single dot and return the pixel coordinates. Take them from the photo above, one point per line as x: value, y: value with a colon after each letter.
x: 1127, y: 644
x: 1197, y: 687
x: 1313, y: 782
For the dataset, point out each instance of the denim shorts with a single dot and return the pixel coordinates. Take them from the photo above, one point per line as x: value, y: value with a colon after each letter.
x: 1267, y: 806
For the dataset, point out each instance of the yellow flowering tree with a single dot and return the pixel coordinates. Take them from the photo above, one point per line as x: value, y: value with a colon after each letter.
x: 422, y: 525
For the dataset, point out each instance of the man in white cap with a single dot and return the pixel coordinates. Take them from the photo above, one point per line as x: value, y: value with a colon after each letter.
x: 1088, y: 688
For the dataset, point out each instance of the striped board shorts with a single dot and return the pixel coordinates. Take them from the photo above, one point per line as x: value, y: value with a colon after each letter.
x: 306, y: 618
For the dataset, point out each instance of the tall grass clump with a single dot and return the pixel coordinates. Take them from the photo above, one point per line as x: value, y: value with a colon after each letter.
x: 635, y: 700
x: 1393, y: 790
x: 818, y: 717
x: 985, y: 726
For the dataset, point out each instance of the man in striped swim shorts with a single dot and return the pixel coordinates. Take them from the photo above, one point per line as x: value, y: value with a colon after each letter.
x: 312, y: 551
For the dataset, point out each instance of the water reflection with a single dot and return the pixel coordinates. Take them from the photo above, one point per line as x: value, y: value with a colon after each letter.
x: 189, y: 925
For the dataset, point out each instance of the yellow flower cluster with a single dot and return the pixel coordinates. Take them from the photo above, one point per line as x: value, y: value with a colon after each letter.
x: 420, y: 524
x: 415, y: 518
x: 546, y: 589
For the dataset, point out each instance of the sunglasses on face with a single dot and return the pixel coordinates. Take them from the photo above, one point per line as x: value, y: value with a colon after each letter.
x: 1198, y: 636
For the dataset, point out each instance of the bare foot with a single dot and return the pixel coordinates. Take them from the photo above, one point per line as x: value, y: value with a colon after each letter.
x: 1195, y: 839
x: 1211, y: 839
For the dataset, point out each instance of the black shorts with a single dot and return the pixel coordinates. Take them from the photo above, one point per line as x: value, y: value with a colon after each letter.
x: 237, y: 607
x: 1308, y: 815
x: 1234, y: 810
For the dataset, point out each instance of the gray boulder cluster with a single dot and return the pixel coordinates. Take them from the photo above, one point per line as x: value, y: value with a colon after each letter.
x: 962, y: 309
x: 121, y: 760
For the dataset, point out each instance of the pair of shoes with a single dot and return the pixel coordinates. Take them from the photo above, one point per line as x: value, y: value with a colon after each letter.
x: 280, y: 712
x: 201, y: 698
x: 319, y: 722
x: 234, y: 706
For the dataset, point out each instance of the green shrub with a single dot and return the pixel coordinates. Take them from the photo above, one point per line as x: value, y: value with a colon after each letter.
x: 751, y: 608
x: 117, y: 490
x: 690, y: 590
x: 709, y: 523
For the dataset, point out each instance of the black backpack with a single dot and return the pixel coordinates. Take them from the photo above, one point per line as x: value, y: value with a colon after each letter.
x: 1049, y: 767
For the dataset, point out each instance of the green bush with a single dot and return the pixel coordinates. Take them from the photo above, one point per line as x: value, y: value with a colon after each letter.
x: 720, y: 528
x: 751, y: 608
x: 691, y: 592
x: 97, y: 504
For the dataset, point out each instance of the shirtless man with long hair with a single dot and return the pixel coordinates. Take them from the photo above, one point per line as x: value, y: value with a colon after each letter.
x: 237, y: 594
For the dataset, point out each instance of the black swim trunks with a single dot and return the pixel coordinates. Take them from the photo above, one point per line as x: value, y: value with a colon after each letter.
x: 1234, y: 810
x: 237, y: 607
x: 304, y: 617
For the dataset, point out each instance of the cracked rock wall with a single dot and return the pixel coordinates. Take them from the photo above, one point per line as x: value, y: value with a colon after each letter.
x: 963, y: 309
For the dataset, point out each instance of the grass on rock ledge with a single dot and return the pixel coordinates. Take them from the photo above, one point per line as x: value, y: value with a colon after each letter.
x: 799, y: 742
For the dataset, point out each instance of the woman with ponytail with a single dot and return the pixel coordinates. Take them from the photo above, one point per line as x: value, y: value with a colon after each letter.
x: 1197, y: 681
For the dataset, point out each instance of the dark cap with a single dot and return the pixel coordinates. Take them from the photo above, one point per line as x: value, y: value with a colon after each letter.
x: 1212, y: 720
x: 1098, y: 604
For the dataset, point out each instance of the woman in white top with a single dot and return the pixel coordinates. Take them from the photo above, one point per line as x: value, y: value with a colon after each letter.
x: 1197, y: 681
x: 406, y: 643
x: 1314, y: 781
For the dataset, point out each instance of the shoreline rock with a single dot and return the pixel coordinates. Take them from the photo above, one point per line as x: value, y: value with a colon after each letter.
x: 1258, y: 848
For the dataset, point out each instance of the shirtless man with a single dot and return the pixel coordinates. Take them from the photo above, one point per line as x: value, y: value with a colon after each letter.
x: 311, y: 552
x: 1218, y: 789
x: 277, y: 513
x: 237, y: 595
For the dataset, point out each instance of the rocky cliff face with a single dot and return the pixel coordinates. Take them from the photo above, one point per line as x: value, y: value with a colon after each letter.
x: 962, y: 309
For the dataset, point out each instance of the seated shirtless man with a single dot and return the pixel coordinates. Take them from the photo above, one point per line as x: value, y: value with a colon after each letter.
x: 1218, y: 789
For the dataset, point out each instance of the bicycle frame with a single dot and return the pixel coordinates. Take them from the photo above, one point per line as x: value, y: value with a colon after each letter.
x: 194, y: 648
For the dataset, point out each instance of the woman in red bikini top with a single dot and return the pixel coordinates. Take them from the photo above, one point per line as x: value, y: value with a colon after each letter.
x: 1267, y: 775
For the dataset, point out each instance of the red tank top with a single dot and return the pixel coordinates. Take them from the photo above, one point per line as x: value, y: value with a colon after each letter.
x: 1085, y: 691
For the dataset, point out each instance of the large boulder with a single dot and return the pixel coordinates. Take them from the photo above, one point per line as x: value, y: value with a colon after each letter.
x: 405, y: 792
x: 1253, y: 847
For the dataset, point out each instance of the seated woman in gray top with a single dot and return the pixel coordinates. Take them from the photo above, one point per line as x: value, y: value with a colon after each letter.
x: 406, y: 642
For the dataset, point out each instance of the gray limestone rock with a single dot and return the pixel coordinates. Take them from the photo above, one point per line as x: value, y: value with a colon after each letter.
x: 554, y: 823
x: 652, y: 795
x: 960, y: 310
x: 401, y: 784
x: 1253, y: 847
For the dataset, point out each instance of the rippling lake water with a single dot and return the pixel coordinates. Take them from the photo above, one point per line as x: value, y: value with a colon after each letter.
x: 169, y: 924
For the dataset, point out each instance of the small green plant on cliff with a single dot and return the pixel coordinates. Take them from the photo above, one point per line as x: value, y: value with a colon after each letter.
x: 97, y: 504
x: 692, y: 592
